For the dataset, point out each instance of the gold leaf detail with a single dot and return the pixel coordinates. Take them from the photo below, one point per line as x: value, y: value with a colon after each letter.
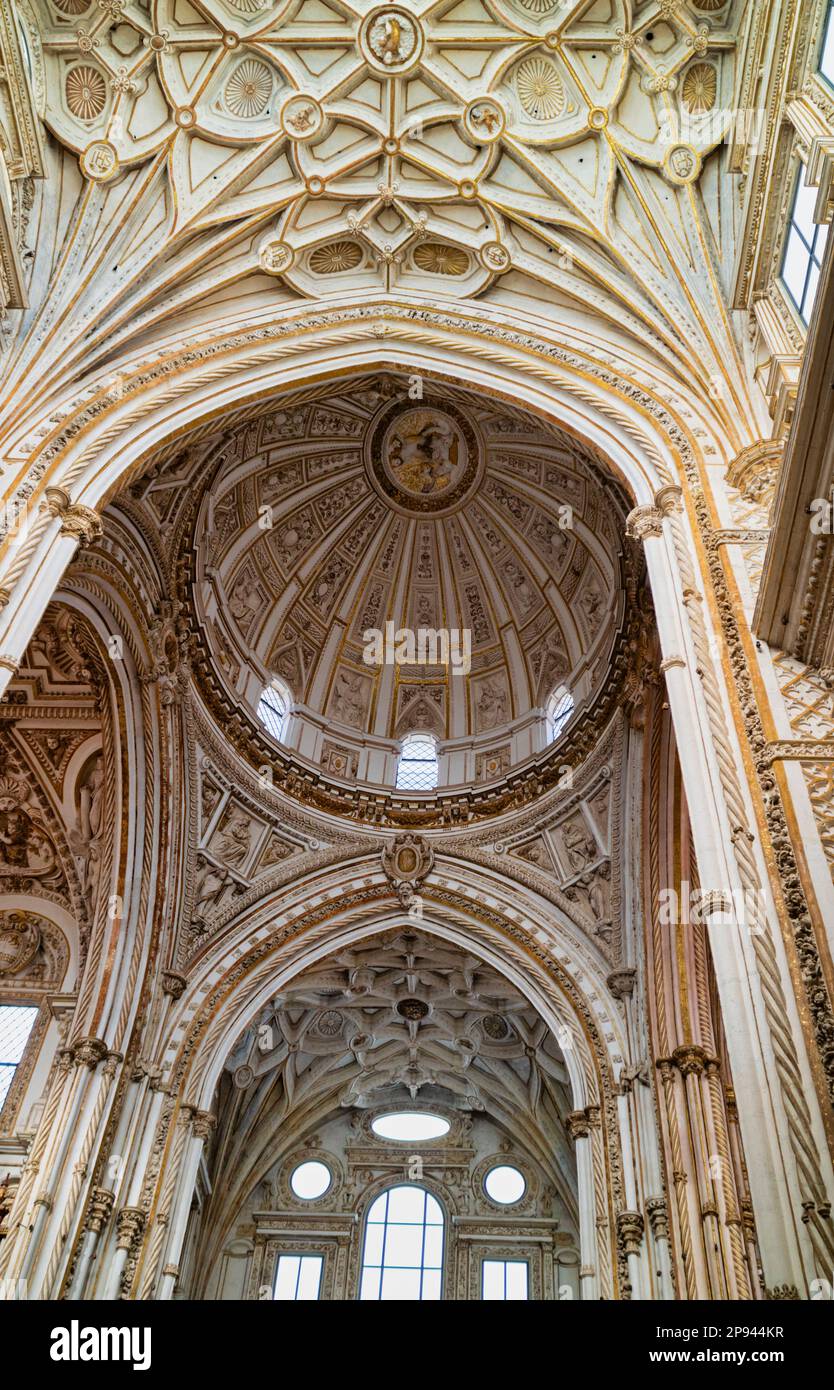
x: 248, y: 89
x: 540, y: 89
x: 86, y: 92
x: 336, y: 258
x: 439, y: 259
x: 700, y: 88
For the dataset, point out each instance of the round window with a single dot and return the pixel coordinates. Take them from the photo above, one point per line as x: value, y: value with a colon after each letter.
x: 310, y: 1180
x: 505, y: 1185
x: 410, y: 1126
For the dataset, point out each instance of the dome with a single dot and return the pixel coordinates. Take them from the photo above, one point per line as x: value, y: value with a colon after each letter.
x: 407, y: 556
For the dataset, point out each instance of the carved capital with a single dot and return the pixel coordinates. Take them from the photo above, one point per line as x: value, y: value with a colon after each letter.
x: 82, y: 523
x: 658, y: 1214
x: 690, y: 1060
x: 630, y: 1227
x: 644, y: 523
x: 173, y: 983
x: 579, y: 1123
x: 78, y: 521
x: 202, y: 1123
x: 98, y: 1212
x: 668, y: 499
x: 130, y: 1224
x: 89, y: 1052
x: 621, y: 982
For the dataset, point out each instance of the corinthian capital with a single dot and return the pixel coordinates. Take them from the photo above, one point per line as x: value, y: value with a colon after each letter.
x: 643, y: 523
x: 130, y: 1223
x: 101, y: 1205
x: 630, y: 1227
x: 78, y: 521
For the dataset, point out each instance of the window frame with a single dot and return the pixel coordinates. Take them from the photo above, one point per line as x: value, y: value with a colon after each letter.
x: 281, y: 691
x: 22, y: 1069
x: 827, y: 39
x: 299, y: 1255
x: 557, y: 723
x: 422, y: 736
x: 814, y: 252
x: 423, y: 1268
x: 504, y: 1261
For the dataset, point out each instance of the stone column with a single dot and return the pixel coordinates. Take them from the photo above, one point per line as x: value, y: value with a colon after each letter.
x: 202, y: 1124
x: 658, y: 1213
x: 578, y: 1124
x: 98, y: 1214
x: 711, y: 780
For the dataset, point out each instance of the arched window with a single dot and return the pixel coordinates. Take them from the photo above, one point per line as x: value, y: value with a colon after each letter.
x: 403, y: 1254
x: 417, y: 767
x: 16, y: 1023
x: 804, y: 249
x: 273, y: 708
x: 559, y: 710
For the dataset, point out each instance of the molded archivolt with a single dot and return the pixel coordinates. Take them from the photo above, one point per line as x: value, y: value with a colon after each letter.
x: 263, y: 960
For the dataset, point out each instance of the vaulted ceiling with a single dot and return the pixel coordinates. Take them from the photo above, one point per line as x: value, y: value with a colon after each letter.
x: 401, y: 1017
x: 329, y: 517
x: 555, y: 155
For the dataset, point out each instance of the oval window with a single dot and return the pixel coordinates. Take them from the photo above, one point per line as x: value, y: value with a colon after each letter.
x: 310, y: 1180
x: 505, y: 1185
x: 410, y: 1126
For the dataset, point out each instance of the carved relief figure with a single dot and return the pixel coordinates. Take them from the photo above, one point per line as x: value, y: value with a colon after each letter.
x: 233, y: 839
x: 348, y: 704
x: 492, y: 705
x: 580, y: 846
x: 423, y: 453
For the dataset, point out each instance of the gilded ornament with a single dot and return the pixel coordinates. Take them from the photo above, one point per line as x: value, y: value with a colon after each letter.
x: 248, y: 89
x: 275, y: 257
x: 700, y: 88
x: 437, y: 258
x: 392, y: 39
x: 540, y: 89
x: 86, y: 92
x: 99, y: 161
x: 335, y: 258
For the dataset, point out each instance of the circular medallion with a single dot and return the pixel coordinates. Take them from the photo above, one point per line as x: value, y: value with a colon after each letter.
x: 423, y: 458
x: 301, y: 117
x: 484, y: 120
x: 495, y: 257
x: 275, y: 257
x: 412, y: 1009
x: 99, y: 161
x: 682, y: 164
x: 391, y: 39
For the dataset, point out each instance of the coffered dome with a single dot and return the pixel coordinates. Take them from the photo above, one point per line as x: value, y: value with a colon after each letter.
x: 407, y: 561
